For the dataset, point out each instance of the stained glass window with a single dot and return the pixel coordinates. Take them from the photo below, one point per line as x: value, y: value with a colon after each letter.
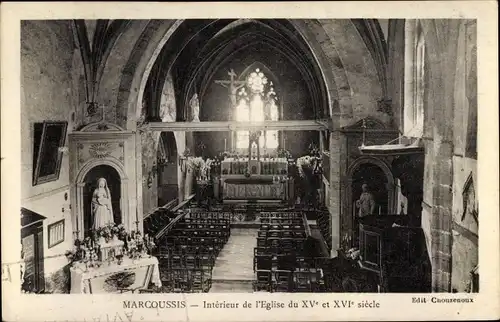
x: 257, y: 102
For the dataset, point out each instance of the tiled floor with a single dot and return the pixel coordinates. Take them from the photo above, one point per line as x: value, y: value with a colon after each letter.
x: 235, y: 261
x: 233, y: 270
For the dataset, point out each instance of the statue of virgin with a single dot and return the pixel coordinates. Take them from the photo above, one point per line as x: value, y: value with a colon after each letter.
x: 102, y: 210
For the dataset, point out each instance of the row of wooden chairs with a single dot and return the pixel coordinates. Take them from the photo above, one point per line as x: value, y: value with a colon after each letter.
x: 284, y: 244
x: 277, y: 267
x: 275, y: 262
x: 281, y: 227
x: 190, y: 249
x: 184, y: 257
x: 264, y: 260
x: 279, y: 214
x: 282, y: 233
x: 289, y: 281
x: 200, y: 233
x: 215, y: 242
x: 282, y: 221
x: 187, y: 281
x: 203, y: 221
x: 188, y: 252
x: 209, y: 215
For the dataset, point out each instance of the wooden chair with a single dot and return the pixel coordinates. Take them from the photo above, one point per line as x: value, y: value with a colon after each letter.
x: 263, y: 281
x: 263, y: 262
x: 283, y: 281
x: 302, y: 282
x: 261, y: 242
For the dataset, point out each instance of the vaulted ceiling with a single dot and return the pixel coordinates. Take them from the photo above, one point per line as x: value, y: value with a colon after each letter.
x: 198, y: 48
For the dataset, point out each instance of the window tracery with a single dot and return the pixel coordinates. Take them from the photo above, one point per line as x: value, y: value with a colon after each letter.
x: 257, y: 102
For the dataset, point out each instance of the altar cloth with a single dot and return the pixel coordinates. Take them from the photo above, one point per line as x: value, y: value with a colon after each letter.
x: 130, y: 275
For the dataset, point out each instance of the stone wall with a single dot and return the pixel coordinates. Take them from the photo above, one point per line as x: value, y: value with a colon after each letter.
x: 47, y: 94
x: 449, y: 102
x: 465, y: 223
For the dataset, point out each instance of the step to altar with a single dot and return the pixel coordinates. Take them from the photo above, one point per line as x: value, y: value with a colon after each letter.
x: 231, y: 286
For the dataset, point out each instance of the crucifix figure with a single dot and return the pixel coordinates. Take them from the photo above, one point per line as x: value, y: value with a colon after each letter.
x: 233, y: 85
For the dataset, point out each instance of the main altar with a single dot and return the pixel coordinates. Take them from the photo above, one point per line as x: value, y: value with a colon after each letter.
x: 252, y: 179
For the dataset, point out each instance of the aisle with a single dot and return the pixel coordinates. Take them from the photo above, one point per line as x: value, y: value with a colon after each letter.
x: 233, y: 270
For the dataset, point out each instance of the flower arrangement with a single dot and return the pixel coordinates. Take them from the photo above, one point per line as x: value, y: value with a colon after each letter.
x: 312, y: 164
x: 314, y: 150
x: 187, y: 153
x: 110, y: 232
x: 88, y: 251
x: 302, y: 162
x: 138, y: 246
x: 195, y: 163
x: 215, y: 166
x: 283, y: 153
x: 205, y: 169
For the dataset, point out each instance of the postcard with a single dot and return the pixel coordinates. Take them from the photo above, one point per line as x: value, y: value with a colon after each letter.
x: 250, y: 161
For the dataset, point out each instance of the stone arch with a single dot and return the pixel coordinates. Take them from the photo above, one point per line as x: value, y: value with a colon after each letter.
x: 79, y: 185
x: 390, y: 187
x: 371, y: 160
x: 338, y: 89
x: 157, y: 33
x: 359, y: 67
x: 138, y: 68
x: 342, y: 74
x: 112, y: 162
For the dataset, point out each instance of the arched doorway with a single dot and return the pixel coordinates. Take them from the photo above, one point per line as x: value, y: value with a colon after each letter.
x: 168, y: 170
x: 380, y: 181
x: 114, y: 184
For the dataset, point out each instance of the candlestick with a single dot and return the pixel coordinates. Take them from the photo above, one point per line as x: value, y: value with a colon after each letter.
x: 225, y: 140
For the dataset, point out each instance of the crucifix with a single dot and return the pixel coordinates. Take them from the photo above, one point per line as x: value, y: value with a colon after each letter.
x: 233, y: 85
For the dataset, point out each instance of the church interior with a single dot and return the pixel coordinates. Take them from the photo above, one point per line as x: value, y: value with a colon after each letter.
x: 249, y: 155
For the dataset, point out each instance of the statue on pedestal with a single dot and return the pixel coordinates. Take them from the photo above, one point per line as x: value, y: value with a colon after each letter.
x: 102, y: 209
x: 194, y: 103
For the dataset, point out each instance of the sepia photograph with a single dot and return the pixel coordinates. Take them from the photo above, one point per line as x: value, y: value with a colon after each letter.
x: 250, y: 155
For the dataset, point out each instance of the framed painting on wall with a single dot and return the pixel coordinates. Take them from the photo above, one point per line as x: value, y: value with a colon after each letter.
x: 48, y: 138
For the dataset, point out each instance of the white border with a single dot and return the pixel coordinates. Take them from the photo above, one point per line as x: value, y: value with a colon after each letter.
x: 392, y: 306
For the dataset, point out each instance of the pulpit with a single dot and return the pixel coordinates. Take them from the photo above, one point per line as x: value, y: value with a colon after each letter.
x: 395, y: 251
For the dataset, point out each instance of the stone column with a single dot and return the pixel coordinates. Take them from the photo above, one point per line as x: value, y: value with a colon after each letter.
x: 335, y: 202
x: 80, y: 213
x: 188, y: 184
x: 137, y: 203
x: 441, y: 66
